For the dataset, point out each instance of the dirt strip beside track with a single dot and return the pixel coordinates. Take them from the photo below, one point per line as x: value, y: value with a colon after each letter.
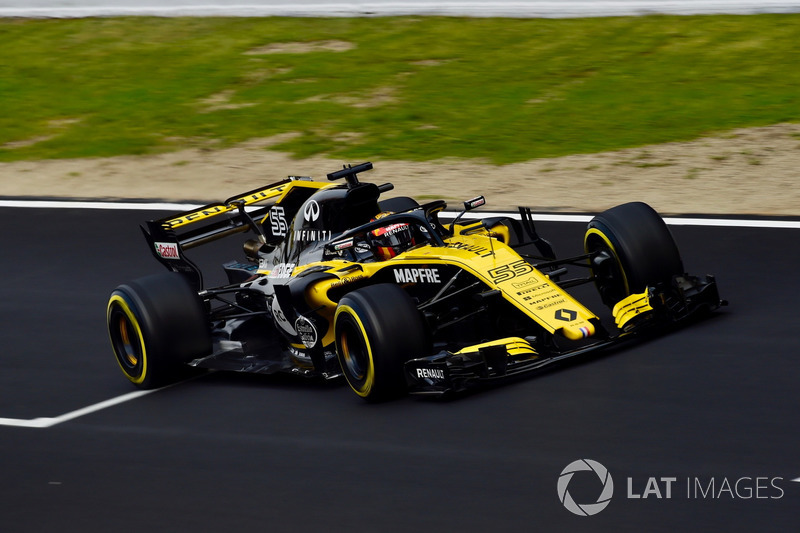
x: 747, y: 171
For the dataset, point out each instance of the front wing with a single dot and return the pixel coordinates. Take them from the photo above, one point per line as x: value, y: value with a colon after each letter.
x: 448, y: 372
x: 648, y: 312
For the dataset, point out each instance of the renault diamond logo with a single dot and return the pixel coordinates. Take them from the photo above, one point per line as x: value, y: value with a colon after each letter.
x: 567, y: 315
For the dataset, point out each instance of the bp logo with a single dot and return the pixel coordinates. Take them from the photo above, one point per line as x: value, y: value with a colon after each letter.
x: 585, y: 509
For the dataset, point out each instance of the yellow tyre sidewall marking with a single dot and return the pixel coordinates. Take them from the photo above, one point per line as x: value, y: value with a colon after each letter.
x: 120, y: 301
x: 370, y: 377
x: 595, y: 231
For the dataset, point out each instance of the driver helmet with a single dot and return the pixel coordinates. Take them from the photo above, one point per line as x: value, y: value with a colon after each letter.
x: 391, y: 240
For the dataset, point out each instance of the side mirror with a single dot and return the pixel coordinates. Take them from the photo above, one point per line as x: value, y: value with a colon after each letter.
x: 469, y: 205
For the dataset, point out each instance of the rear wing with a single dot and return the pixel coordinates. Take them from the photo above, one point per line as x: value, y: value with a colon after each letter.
x: 171, y: 236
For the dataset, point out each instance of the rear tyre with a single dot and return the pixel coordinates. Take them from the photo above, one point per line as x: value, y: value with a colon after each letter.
x: 157, y: 324
x: 640, y: 249
x: 378, y: 329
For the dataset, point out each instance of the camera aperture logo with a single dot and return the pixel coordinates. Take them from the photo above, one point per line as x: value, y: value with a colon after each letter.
x: 589, y: 472
x: 585, y: 509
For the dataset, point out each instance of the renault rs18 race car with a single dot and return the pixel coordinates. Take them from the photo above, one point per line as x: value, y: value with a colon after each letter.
x: 338, y: 281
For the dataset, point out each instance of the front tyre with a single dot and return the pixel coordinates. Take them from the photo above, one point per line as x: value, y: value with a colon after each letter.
x: 156, y: 325
x: 378, y: 329
x: 637, y: 251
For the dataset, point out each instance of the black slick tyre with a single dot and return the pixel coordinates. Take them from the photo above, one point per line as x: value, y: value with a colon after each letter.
x: 378, y: 328
x: 156, y: 325
x: 639, y: 251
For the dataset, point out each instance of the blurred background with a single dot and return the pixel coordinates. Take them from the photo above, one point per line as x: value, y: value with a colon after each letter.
x: 583, y: 109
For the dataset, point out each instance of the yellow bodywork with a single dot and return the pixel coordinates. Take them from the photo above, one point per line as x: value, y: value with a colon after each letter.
x: 522, y: 285
x: 488, y: 259
x: 273, y: 193
x: 633, y: 306
x: 515, y: 346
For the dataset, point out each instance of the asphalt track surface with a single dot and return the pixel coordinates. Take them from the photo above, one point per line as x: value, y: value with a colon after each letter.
x: 717, y: 400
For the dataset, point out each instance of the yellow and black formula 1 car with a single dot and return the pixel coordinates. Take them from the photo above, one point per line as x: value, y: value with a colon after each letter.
x: 339, y: 282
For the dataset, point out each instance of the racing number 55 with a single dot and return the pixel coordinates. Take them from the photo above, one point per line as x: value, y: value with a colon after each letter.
x: 277, y: 220
x: 510, y: 271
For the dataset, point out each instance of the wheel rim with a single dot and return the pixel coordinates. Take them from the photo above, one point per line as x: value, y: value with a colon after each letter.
x: 130, y: 351
x: 126, y: 340
x: 609, y: 276
x: 354, y: 352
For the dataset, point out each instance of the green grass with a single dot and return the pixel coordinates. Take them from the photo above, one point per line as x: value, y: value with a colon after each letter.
x: 504, y: 90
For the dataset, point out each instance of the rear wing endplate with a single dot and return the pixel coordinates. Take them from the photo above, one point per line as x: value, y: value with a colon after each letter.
x: 171, y: 236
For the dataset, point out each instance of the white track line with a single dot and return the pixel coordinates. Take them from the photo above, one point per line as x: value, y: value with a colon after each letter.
x: 496, y: 8
x: 673, y: 221
x: 721, y: 222
x: 50, y: 422
x: 66, y: 204
x: 544, y: 217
